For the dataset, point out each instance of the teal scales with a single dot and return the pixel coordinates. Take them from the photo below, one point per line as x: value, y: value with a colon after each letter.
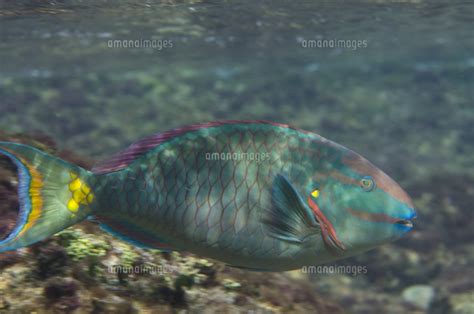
x: 253, y: 194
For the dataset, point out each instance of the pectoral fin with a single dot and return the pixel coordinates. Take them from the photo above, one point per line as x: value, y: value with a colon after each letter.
x: 289, y: 218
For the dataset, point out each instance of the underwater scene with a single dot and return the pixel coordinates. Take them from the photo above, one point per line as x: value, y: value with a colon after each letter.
x: 283, y: 156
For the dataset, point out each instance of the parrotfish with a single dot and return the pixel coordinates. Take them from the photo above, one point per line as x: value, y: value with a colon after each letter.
x: 253, y: 194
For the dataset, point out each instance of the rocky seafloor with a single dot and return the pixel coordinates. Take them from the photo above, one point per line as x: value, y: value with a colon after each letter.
x: 75, y: 270
x: 414, y: 124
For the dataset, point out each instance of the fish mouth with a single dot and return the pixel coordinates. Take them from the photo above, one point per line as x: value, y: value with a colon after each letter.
x: 405, y: 223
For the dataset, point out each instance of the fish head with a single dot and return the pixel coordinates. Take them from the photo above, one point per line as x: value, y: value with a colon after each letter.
x: 362, y: 205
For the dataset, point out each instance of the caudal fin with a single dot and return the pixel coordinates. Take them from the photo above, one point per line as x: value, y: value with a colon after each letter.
x: 53, y: 195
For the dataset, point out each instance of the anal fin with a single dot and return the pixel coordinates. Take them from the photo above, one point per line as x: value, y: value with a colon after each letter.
x: 249, y: 268
x: 127, y: 232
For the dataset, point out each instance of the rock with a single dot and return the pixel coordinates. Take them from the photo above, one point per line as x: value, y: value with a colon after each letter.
x: 51, y: 258
x: 230, y: 284
x: 419, y: 296
x: 9, y: 258
x: 462, y: 303
x: 112, y: 305
x: 62, y: 294
x: 4, y: 305
x: 58, y: 287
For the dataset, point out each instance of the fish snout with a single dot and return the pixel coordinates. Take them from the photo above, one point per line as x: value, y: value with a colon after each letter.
x: 407, y: 222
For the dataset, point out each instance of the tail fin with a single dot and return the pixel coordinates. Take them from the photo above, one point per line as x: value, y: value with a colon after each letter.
x: 53, y: 195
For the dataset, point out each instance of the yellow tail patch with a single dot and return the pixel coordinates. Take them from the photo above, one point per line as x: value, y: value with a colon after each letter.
x: 36, y: 186
x: 81, y: 193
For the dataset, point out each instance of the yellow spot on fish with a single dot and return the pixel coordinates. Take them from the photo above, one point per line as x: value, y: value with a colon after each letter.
x: 80, y: 193
x: 85, y: 189
x: 78, y: 196
x: 72, y: 205
x: 75, y: 185
x: 315, y: 193
x: 90, y: 198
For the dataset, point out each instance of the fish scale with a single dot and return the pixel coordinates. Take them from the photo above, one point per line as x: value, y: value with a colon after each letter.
x: 211, y: 203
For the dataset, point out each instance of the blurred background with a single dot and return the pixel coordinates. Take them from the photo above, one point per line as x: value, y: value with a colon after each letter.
x: 392, y: 80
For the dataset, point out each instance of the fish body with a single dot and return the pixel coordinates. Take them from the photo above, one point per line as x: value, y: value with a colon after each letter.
x: 252, y: 194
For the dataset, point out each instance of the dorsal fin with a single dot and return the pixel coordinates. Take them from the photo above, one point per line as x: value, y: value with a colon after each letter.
x: 137, y: 149
x: 122, y: 159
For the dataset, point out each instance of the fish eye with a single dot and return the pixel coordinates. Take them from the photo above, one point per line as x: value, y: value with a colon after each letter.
x: 315, y: 193
x: 367, y: 183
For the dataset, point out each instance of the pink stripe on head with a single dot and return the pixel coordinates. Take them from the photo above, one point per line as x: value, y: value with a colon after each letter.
x: 382, y: 180
x: 374, y: 217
